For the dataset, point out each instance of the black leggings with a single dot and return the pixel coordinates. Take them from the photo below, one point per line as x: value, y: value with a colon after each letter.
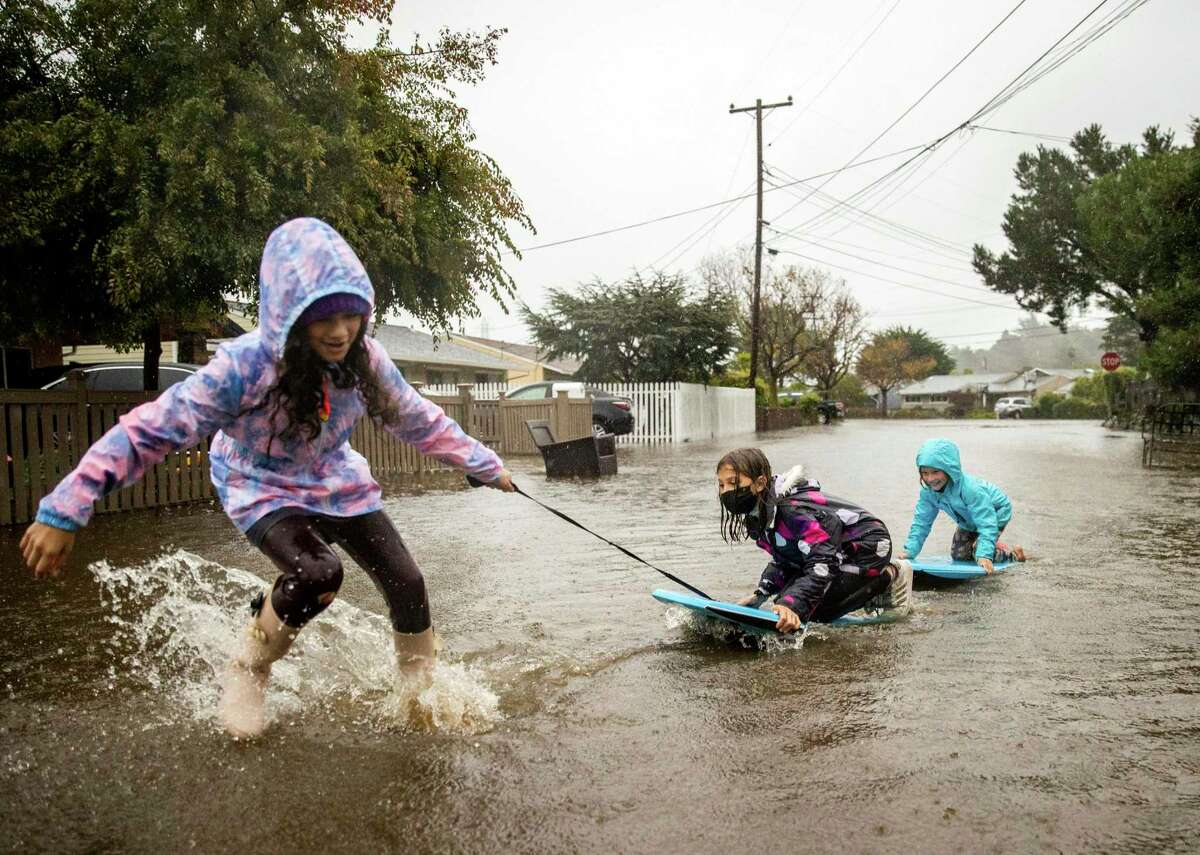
x: 300, y: 546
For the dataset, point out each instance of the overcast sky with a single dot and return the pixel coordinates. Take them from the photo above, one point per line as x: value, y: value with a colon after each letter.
x: 604, y: 115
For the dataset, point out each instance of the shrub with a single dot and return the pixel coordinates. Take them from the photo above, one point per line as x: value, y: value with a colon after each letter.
x: 1075, y: 408
x: 1044, y: 404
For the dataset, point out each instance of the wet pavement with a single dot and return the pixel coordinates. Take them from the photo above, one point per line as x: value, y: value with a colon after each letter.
x: 1053, y: 708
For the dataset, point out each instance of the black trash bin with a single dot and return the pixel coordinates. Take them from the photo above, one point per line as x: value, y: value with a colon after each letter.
x: 589, y: 455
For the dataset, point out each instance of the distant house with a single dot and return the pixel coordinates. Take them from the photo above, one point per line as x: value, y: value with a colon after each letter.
x: 422, y: 359
x: 933, y: 392
x: 527, y: 364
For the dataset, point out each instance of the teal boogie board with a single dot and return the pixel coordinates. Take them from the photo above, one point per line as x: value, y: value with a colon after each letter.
x: 755, y: 621
x: 947, y: 568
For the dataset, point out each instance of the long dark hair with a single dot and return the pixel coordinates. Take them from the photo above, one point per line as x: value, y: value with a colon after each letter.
x: 301, y: 374
x: 752, y: 463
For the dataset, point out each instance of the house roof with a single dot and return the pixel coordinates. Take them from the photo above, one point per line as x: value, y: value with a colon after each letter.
x: 526, y: 352
x: 404, y: 344
x: 940, y: 384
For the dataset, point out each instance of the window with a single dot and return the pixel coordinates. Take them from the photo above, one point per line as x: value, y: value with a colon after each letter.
x: 434, y: 378
x: 480, y: 379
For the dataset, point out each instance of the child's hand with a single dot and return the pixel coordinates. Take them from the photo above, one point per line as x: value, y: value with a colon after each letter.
x: 986, y: 564
x: 503, y: 482
x: 789, y: 621
x: 45, y: 548
x: 902, y: 553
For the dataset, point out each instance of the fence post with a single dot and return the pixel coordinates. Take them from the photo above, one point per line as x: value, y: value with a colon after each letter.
x: 468, y: 409
x: 562, y: 415
x: 79, y: 434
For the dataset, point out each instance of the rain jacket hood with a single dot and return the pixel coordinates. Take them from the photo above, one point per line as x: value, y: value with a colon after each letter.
x: 973, y: 503
x: 255, y: 469
x: 303, y: 261
x: 941, y: 454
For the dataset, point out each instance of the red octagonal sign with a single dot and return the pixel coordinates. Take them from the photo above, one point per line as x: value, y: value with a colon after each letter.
x: 1110, y: 361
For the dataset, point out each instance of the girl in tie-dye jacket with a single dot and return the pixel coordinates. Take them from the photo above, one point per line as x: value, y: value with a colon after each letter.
x: 828, y: 556
x: 281, y: 402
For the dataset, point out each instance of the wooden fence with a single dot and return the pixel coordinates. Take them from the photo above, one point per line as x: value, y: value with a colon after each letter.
x: 44, y: 434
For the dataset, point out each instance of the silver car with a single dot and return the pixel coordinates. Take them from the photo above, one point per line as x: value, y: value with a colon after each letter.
x: 1012, y: 408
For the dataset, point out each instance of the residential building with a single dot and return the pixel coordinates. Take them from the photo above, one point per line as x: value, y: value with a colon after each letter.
x: 933, y: 392
x: 424, y: 359
x: 527, y: 364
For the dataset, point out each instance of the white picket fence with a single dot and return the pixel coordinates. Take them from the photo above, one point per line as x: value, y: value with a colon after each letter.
x: 663, y: 412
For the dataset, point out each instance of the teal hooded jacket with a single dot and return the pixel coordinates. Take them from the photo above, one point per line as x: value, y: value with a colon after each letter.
x: 974, y: 504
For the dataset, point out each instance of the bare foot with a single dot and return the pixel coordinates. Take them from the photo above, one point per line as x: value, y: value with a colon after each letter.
x: 1018, y: 553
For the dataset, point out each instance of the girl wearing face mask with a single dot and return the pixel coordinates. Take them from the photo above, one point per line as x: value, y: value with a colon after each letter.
x: 829, y: 557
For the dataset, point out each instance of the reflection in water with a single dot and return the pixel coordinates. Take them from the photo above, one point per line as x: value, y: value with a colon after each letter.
x: 1051, y: 708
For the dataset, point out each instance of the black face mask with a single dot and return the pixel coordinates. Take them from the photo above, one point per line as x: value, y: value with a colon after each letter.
x: 739, y: 501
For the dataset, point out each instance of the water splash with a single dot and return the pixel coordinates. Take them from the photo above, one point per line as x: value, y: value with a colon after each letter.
x: 694, y: 623
x: 179, y: 617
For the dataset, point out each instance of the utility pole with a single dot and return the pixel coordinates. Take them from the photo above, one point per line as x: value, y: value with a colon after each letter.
x: 758, y: 108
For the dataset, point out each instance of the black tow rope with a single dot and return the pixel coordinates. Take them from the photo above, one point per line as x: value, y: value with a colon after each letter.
x: 475, y: 482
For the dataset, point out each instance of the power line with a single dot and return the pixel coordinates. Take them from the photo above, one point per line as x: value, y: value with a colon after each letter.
x: 894, y: 267
x: 1019, y: 133
x: 908, y: 285
x: 1017, y: 84
x: 914, y: 105
x: 707, y: 207
x: 837, y: 73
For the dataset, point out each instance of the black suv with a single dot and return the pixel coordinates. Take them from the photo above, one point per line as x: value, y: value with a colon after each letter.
x: 827, y: 411
x: 610, y: 413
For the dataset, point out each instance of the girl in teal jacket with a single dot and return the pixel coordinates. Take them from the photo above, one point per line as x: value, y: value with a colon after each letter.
x: 979, y: 509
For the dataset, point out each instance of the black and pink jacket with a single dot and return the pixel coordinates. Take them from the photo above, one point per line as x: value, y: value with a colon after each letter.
x: 813, y: 538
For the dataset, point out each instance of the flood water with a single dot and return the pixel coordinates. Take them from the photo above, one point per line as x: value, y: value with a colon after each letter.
x: 1053, y: 708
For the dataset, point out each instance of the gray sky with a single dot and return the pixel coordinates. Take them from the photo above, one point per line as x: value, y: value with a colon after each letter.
x: 604, y: 115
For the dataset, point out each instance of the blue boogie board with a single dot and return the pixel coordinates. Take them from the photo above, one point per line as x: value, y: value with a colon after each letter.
x: 755, y: 621
x: 947, y: 568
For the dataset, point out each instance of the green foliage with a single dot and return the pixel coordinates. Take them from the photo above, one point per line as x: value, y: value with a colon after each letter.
x: 1072, y: 408
x: 922, y: 346
x: 849, y: 390
x: 887, y: 363
x: 147, y: 149
x: 1055, y: 406
x: 1091, y: 388
x: 1115, y: 226
x: 1044, y: 404
x: 736, y: 374
x: 642, y: 329
x: 1173, y: 359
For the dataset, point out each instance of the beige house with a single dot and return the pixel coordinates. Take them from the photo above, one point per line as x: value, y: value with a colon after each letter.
x: 527, y: 364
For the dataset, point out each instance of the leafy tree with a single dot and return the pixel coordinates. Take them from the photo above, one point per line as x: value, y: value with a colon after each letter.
x: 1117, y: 226
x: 643, y: 329
x: 887, y: 362
x: 147, y: 149
x: 921, y: 345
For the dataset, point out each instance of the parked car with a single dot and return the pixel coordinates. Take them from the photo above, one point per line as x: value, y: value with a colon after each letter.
x: 1012, y: 408
x: 827, y: 411
x: 610, y: 413
x: 126, y: 376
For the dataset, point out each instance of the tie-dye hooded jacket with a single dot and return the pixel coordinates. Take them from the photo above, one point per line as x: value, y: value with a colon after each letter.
x: 974, y: 504
x: 813, y: 537
x: 304, y: 260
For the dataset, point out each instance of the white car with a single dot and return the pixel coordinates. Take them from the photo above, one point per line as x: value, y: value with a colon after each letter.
x: 1012, y: 408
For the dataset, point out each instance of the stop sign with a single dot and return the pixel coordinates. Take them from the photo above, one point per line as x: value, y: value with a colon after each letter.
x: 1110, y: 361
